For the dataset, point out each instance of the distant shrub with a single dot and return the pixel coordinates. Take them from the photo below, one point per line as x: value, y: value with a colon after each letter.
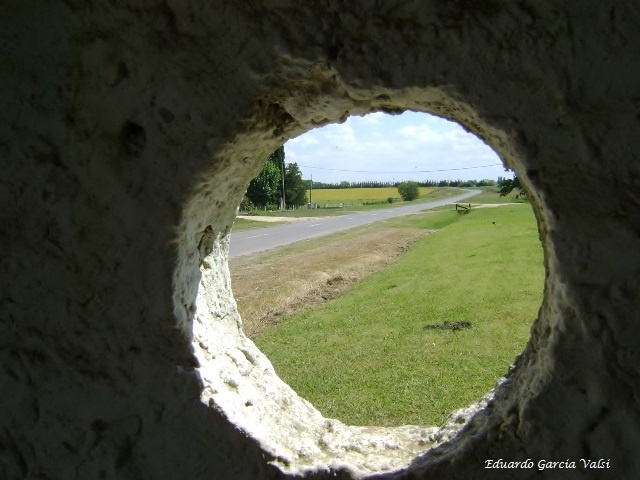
x: 408, y: 191
x: 245, y: 204
x: 390, y: 200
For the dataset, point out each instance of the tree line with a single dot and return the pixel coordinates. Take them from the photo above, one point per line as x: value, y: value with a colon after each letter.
x: 425, y: 183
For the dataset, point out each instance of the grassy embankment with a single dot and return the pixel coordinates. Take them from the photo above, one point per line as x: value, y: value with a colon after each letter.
x: 369, y: 357
x: 280, y: 283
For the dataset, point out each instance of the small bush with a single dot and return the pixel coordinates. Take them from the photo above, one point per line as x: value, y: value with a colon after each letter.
x: 390, y: 200
x: 246, y: 204
x: 408, y: 191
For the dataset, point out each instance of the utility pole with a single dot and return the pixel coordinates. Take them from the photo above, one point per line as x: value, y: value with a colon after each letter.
x: 310, y: 189
x: 283, y: 205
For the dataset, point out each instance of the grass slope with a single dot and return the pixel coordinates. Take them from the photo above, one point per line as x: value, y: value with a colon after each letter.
x: 366, y: 357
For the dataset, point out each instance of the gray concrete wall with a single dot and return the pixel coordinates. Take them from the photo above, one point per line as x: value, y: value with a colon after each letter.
x: 128, y: 134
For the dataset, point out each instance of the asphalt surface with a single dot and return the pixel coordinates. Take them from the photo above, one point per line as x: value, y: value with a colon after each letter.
x: 252, y: 241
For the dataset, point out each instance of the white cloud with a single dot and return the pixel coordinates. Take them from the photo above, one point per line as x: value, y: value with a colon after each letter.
x: 373, y: 118
x: 304, y: 141
x: 408, y: 131
x: 422, y: 133
x: 392, y: 147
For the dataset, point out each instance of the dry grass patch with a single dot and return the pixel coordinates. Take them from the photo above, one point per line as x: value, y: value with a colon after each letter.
x: 269, y: 287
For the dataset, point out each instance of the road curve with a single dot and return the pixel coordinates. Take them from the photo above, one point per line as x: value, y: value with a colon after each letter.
x: 252, y: 241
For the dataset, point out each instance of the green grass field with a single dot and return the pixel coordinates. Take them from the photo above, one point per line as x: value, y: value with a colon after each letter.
x: 366, y: 357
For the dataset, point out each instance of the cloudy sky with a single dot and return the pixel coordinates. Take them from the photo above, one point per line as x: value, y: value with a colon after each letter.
x: 411, y: 146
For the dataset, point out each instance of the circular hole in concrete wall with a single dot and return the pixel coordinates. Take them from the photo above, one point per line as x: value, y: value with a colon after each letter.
x: 390, y: 347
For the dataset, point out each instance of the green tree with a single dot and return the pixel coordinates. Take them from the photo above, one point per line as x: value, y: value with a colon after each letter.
x: 278, y: 183
x: 265, y: 188
x: 507, y: 185
x: 408, y: 191
x: 277, y: 158
x: 485, y: 182
x: 295, y: 186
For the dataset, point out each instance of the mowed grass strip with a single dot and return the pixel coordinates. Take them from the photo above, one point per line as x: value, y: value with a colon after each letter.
x: 241, y: 224
x: 366, y: 357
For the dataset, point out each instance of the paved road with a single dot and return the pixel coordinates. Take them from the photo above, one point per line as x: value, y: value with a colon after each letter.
x: 257, y: 240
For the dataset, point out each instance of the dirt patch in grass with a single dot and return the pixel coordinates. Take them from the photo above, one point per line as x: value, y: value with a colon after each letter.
x: 269, y: 288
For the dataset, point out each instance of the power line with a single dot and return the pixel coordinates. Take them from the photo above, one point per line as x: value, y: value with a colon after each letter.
x: 407, y: 171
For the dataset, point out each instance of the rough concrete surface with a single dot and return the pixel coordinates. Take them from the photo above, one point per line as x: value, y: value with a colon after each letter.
x: 128, y: 134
